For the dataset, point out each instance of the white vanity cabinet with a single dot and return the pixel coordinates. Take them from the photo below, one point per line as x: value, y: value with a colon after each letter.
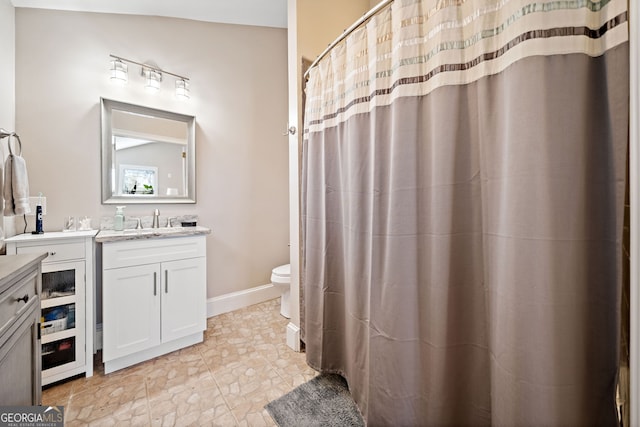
x: 154, y: 297
x: 67, y: 300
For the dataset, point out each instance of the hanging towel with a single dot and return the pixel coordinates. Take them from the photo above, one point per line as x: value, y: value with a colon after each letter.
x: 7, y: 192
x: 16, y: 186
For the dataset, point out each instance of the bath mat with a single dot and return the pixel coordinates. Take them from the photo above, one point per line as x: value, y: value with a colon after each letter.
x: 324, y: 401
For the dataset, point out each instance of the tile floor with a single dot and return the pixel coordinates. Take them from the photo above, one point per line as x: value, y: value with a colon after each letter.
x: 242, y: 365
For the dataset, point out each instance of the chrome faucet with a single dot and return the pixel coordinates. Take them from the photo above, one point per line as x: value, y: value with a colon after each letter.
x: 156, y: 215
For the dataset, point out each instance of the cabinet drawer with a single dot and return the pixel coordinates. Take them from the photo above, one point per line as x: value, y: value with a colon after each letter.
x: 56, y: 251
x: 10, y: 307
x: 140, y: 252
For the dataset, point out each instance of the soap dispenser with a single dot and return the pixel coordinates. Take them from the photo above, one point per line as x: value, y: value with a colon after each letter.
x: 118, y: 219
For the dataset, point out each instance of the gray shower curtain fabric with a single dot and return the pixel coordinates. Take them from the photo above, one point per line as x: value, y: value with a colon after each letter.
x: 464, y: 168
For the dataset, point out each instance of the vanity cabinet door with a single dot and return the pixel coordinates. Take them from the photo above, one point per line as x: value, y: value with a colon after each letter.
x: 20, y: 362
x: 62, y: 303
x: 131, y: 310
x: 183, y: 298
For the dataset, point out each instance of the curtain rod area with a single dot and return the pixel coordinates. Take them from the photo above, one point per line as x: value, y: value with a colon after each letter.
x: 377, y: 8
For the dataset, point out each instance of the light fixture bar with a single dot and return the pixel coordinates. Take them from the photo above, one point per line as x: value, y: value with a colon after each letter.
x: 150, y: 67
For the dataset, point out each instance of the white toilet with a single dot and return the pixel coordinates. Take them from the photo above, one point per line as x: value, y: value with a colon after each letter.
x: 281, y: 278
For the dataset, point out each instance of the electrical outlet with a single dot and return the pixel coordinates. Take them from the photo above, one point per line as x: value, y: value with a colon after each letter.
x: 33, y: 202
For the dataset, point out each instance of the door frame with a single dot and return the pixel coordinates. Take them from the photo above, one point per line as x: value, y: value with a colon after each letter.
x: 294, y: 141
x: 634, y: 199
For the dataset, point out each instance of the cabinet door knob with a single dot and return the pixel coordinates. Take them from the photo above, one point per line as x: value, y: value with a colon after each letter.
x: 24, y: 298
x: 52, y: 253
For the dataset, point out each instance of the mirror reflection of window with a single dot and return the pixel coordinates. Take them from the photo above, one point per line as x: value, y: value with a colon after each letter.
x: 138, y: 180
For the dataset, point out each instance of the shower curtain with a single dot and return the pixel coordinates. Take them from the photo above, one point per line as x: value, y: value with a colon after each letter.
x: 462, y: 210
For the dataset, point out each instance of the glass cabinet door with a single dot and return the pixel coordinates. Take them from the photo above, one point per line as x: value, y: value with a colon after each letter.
x: 59, y: 283
x: 62, y: 337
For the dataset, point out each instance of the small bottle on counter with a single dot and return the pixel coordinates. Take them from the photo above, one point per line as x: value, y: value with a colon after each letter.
x: 118, y: 219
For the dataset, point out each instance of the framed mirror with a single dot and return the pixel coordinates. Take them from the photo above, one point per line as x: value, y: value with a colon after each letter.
x: 148, y: 155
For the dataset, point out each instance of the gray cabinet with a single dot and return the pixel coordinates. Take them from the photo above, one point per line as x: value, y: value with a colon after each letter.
x: 20, y: 369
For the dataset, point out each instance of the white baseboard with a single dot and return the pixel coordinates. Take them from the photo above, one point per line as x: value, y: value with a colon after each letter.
x: 236, y: 300
x: 293, y: 337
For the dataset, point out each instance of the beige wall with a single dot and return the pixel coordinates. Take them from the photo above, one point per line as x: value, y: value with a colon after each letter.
x: 321, y: 22
x: 238, y: 95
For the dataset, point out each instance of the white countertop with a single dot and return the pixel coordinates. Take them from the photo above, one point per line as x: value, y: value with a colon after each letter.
x: 150, y: 233
x: 51, y: 235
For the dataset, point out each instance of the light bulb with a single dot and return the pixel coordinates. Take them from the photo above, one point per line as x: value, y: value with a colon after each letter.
x: 119, y: 72
x: 153, y: 80
x: 182, y: 89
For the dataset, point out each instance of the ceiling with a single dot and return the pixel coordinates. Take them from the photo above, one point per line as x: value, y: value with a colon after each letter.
x: 265, y: 13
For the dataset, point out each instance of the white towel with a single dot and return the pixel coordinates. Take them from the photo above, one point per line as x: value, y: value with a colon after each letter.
x: 16, y: 187
x: 7, y: 190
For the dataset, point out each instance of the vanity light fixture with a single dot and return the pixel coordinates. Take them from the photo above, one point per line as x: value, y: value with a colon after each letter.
x: 118, y: 71
x: 152, y: 75
x: 153, y: 78
x: 182, y: 88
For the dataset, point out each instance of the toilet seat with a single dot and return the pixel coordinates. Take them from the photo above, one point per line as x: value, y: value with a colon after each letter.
x: 281, y: 274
